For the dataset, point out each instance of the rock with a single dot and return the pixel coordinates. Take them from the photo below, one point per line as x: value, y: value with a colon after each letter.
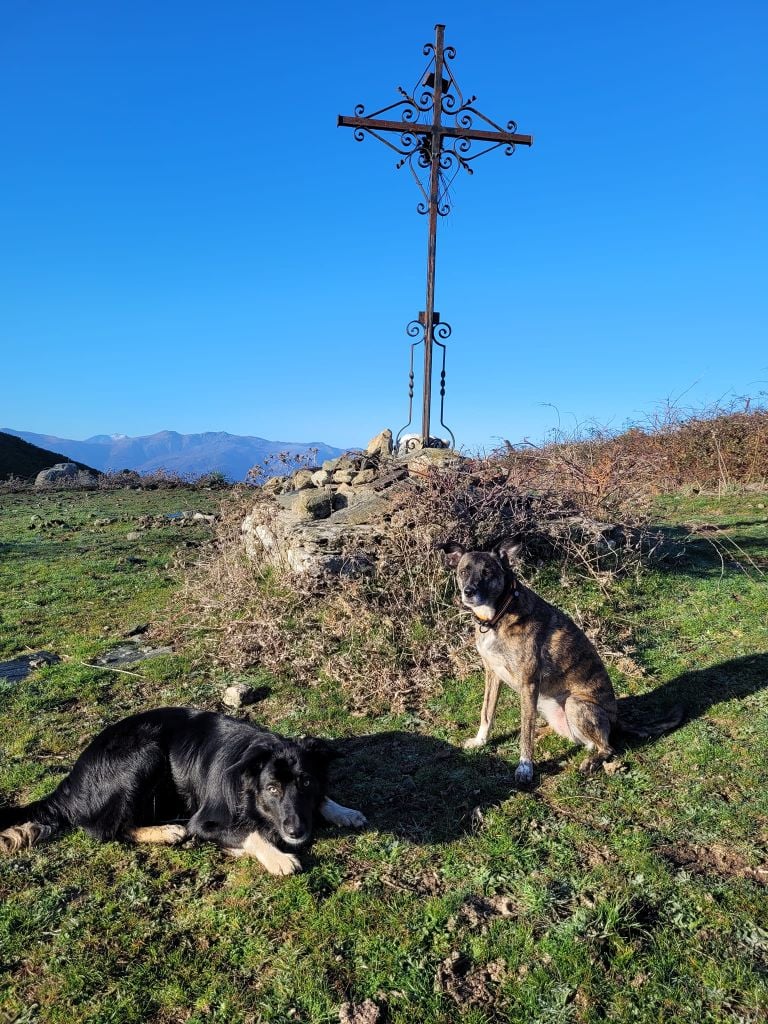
x: 335, y: 529
x: 343, y: 476
x: 330, y: 465
x: 133, y: 535
x: 367, y: 508
x: 426, y: 458
x: 365, y: 476
x: 65, y: 473
x: 205, y: 517
x: 350, y: 462
x: 321, y: 477
x: 310, y: 548
x: 104, y: 522
x: 313, y: 504
x: 19, y: 668
x: 274, y: 485
x: 380, y: 445
x: 129, y: 652
x: 239, y: 695
x: 302, y: 478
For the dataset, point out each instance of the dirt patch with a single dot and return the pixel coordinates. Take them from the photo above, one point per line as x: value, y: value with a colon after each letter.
x: 478, y: 912
x: 713, y: 860
x: 469, y: 984
x: 361, y: 1013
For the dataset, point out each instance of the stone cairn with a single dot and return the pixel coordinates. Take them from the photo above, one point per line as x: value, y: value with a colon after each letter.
x: 332, y: 519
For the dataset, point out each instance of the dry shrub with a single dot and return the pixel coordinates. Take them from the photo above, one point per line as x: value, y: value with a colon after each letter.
x: 384, y: 639
x: 706, y: 449
x: 387, y: 637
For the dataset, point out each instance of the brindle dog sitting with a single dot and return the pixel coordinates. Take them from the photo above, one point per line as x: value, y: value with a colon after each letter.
x: 536, y: 649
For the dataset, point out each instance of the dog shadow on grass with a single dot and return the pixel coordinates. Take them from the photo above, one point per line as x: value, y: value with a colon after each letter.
x: 696, y: 691
x: 418, y: 787
x: 426, y: 790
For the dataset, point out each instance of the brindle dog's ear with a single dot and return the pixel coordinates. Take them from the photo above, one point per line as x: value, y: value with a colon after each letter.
x: 452, y: 552
x: 509, y: 551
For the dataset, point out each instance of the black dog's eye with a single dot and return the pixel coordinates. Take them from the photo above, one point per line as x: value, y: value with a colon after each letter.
x: 305, y: 782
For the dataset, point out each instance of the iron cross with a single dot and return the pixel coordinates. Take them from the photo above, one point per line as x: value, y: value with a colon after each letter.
x: 443, y: 147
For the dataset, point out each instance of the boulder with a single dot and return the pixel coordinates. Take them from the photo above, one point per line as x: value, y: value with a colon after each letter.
x: 65, y: 473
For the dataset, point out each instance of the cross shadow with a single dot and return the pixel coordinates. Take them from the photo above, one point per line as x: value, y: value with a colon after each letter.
x: 425, y: 790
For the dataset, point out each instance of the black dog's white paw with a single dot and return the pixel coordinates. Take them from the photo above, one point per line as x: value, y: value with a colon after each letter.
x: 344, y: 817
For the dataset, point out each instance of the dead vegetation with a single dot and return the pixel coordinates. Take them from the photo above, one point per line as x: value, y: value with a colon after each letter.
x: 582, y: 506
x: 710, y: 449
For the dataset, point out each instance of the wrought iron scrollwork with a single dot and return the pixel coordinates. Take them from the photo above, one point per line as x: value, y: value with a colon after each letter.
x: 441, y: 330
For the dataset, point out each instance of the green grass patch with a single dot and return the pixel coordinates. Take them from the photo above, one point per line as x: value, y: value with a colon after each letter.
x: 635, y: 897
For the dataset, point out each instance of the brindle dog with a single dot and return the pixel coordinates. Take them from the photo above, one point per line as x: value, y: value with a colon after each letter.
x: 538, y: 651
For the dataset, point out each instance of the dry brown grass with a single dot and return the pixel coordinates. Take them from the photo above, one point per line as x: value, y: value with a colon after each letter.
x: 712, y: 449
x: 389, y: 637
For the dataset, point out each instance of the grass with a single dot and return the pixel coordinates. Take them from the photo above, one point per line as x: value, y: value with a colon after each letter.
x: 635, y: 897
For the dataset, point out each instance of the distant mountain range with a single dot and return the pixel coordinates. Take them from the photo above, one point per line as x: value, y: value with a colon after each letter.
x: 211, y: 452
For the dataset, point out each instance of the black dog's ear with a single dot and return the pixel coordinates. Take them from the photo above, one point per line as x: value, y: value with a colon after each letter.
x: 255, y: 756
x: 508, y: 551
x: 452, y: 552
x: 318, y: 748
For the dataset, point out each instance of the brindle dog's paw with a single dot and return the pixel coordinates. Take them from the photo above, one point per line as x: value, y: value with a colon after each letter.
x: 593, y: 764
x: 524, y: 773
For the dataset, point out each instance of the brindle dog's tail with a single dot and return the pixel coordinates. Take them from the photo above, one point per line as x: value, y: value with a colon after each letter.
x: 631, y: 721
x: 22, y: 827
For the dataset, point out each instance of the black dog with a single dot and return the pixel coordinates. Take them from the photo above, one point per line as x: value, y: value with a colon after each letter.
x: 252, y: 792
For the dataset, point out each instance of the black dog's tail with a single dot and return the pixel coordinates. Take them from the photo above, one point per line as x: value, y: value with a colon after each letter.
x: 22, y: 827
x: 644, y: 728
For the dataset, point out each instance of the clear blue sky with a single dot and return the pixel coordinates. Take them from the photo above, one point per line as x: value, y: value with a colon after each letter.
x: 189, y: 242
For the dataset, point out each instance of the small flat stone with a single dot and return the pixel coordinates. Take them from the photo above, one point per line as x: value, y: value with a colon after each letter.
x: 19, y: 668
x: 128, y: 653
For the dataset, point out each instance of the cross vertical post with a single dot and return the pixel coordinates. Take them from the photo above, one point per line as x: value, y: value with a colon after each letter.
x: 426, y: 141
x: 434, y: 185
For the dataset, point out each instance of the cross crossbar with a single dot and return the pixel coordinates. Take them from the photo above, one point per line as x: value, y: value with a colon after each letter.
x: 502, y: 137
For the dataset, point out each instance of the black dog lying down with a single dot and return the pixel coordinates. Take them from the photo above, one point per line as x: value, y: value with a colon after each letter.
x: 252, y: 792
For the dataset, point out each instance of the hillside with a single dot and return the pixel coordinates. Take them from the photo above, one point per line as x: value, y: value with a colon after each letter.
x: 637, y: 896
x: 21, y: 458
x: 212, y: 451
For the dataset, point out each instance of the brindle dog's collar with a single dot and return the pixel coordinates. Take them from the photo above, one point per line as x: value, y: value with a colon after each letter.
x: 484, y: 626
